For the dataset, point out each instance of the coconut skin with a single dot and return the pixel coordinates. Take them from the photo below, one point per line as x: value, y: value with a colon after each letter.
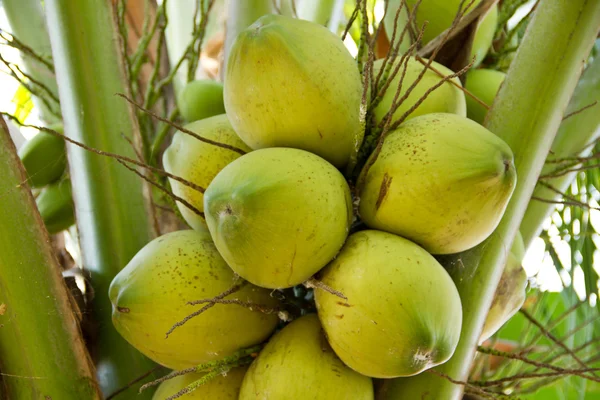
x: 278, y: 215
x: 484, y: 35
x: 224, y: 387
x: 435, y: 176
x: 293, y: 83
x: 403, y: 314
x: 484, y: 84
x: 439, y: 15
x: 445, y: 99
x: 151, y: 293
x: 201, y: 99
x: 511, y: 291
x: 199, y: 162
x: 297, y: 363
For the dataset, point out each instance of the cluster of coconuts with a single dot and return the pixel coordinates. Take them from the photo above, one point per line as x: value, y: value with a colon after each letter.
x: 270, y: 206
x: 45, y: 162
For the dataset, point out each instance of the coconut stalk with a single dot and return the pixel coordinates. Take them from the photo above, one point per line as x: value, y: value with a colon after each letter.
x: 240, y: 15
x: 109, y: 200
x: 324, y: 12
x: 42, y: 352
x: 573, y: 139
x: 526, y: 114
x: 27, y: 24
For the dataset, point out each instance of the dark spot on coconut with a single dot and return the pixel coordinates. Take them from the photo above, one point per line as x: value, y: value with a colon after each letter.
x: 123, y: 310
x: 341, y: 303
x: 383, y: 189
x: 341, y: 316
x: 506, y: 165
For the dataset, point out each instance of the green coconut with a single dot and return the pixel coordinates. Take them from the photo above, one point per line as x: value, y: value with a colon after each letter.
x: 278, y: 215
x: 151, y: 293
x: 483, y: 84
x: 403, y: 314
x: 389, y: 20
x: 55, y: 204
x: 438, y: 14
x: 199, y: 162
x: 434, y: 179
x: 447, y: 98
x: 484, y: 35
x: 223, y: 387
x: 510, y: 293
x: 297, y: 363
x: 293, y: 83
x: 201, y: 99
x: 44, y: 158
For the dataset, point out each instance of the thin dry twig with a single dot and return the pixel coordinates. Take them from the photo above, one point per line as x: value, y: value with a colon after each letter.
x: 108, y: 154
x: 582, y: 109
x: 182, y: 129
x: 233, y: 289
x: 314, y: 283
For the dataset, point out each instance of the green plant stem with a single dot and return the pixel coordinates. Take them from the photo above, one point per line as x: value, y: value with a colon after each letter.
x: 324, y: 12
x: 111, y: 211
x: 240, y: 15
x: 572, y: 140
x: 526, y: 114
x: 42, y: 353
x: 26, y: 19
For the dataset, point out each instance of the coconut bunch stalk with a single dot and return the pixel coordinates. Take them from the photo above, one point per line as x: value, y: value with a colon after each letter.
x: 42, y: 351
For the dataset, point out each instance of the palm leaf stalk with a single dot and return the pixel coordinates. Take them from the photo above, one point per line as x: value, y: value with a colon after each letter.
x: 573, y: 140
x: 526, y: 113
x: 42, y: 352
x: 111, y: 211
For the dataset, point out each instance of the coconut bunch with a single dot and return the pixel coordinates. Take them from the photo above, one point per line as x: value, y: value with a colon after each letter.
x: 272, y: 214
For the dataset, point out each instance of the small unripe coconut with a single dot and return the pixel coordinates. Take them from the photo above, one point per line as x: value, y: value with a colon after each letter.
x: 223, y: 387
x: 484, y: 84
x: 55, y: 204
x: 439, y: 15
x: 510, y: 293
x: 44, y: 158
x: 297, y: 363
x: 389, y: 20
x: 293, y: 83
x: 403, y: 314
x: 199, y: 162
x: 201, y: 99
x: 484, y: 35
x: 278, y: 215
x: 447, y: 98
x: 151, y: 293
x: 435, y: 179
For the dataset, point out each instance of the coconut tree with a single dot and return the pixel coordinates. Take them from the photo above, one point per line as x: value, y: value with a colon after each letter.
x: 113, y: 73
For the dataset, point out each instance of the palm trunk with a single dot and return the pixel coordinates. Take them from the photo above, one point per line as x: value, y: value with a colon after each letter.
x: 109, y: 200
x: 526, y: 114
x: 42, y: 353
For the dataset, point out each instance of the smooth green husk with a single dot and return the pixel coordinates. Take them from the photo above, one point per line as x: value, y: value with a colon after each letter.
x: 110, y: 207
x: 27, y: 24
x: 42, y: 353
x: 572, y: 140
x: 526, y: 114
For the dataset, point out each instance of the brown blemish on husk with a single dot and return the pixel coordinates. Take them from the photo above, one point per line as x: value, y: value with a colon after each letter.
x: 383, y: 189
